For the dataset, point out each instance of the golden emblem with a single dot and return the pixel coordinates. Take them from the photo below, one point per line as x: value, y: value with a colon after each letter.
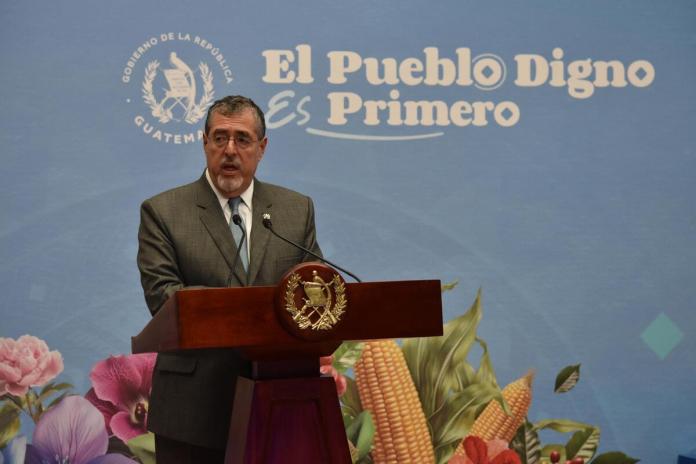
x: 319, y: 310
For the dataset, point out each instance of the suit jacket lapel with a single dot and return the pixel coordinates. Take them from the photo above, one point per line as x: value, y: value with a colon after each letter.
x: 261, y: 204
x: 213, y: 219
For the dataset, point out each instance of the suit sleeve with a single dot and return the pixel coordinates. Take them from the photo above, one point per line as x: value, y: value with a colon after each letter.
x: 159, y: 271
x: 310, y: 241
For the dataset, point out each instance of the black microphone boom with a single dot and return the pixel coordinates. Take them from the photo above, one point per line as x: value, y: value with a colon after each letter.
x: 269, y: 225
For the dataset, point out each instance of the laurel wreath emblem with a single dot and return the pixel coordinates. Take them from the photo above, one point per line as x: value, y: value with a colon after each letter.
x: 334, y: 311
x: 164, y: 115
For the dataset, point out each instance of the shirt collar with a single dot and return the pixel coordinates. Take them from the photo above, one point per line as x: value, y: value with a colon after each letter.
x: 246, y: 195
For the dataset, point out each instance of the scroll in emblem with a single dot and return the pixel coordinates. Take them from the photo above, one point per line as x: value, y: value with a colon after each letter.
x: 323, y: 303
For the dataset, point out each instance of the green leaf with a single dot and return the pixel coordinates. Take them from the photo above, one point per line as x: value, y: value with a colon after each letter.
x: 459, y: 336
x: 567, y: 378
x: 48, y: 387
x: 452, y: 422
x: 63, y: 386
x: 418, y: 351
x: 347, y: 418
x: 353, y: 452
x: 444, y: 452
x: 526, y: 444
x: 414, y: 350
x: 433, y: 361
x: 451, y: 391
x: 365, y: 460
x: 561, y: 425
x: 361, y: 432
x: 614, y: 457
x: 51, y: 389
x: 347, y: 355
x: 583, y: 444
x: 17, y: 402
x: 32, y: 401
x: 449, y: 286
x: 57, y: 400
x: 143, y: 447
x: 350, y: 401
x: 9, y: 423
x: 485, y: 371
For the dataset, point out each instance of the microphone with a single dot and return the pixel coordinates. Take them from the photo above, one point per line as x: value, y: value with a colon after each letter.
x: 269, y: 225
x: 237, y: 219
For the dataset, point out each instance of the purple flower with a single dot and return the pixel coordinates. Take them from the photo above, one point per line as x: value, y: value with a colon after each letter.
x: 121, y: 391
x: 72, y: 432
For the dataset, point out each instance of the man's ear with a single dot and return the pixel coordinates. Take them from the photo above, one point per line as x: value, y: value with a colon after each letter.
x: 262, y: 144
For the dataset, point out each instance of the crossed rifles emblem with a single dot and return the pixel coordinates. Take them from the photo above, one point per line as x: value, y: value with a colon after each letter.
x: 320, y: 309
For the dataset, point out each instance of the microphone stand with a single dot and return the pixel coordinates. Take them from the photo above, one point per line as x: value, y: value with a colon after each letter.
x: 269, y: 225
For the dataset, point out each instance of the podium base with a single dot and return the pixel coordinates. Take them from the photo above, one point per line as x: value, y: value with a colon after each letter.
x: 287, y: 421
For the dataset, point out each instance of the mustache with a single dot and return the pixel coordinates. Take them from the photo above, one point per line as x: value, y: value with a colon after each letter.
x: 232, y: 163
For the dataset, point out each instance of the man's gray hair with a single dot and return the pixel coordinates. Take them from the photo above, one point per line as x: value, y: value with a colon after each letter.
x: 235, y: 104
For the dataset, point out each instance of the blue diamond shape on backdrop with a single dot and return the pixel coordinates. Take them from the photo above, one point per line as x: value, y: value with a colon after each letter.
x: 662, y: 335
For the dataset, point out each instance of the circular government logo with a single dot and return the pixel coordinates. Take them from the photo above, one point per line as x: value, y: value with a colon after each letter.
x: 171, y: 80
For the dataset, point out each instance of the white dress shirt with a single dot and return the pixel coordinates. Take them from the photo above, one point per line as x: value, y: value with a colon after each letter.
x: 244, y: 208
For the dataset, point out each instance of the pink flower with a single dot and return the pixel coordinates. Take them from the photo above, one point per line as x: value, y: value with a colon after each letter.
x: 493, y: 451
x: 496, y: 447
x: 26, y: 362
x: 121, y: 391
x: 326, y: 367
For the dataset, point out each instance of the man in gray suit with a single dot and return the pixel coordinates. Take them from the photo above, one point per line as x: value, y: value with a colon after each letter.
x: 185, y: 240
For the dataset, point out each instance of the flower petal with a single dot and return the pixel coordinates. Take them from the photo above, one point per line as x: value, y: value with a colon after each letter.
x: 326, y: 369
x: 117, y: 379
x: 507, y: 457
x: 476, y: 450
x: 112, y: 458
x: 106, y: 408
x: 73, y: 429
x: 36, y: 456
x: 52, y: 366
x: 145, y: 363
x: 9, y: 373
x: 496, y: 446
x: 16, y: 389
x: 123, y: 428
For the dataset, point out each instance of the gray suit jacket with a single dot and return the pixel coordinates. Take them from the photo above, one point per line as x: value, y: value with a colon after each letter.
x: 185, y: 241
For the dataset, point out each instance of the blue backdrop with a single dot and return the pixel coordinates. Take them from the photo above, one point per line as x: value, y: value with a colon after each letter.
x: 573, y: 212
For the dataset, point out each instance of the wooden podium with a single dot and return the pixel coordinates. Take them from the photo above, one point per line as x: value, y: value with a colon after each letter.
x: 287, y: 412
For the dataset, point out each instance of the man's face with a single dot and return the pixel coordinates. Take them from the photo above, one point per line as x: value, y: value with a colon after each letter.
x: 232, y: 165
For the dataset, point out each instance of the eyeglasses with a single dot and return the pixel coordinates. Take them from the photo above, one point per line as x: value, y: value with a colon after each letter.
x: 241, y: 141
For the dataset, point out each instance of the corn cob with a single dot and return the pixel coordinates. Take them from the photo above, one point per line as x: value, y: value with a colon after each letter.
x: 494, y: 423
x: 387, y: 391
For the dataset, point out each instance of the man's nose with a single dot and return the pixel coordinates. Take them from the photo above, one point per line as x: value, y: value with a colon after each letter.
x: 231, y: 147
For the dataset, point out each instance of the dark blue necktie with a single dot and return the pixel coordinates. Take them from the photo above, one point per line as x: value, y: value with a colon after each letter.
x: 237, y: 232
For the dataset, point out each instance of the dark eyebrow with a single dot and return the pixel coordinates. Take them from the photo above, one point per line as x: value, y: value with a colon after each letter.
x: 233, y: 133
